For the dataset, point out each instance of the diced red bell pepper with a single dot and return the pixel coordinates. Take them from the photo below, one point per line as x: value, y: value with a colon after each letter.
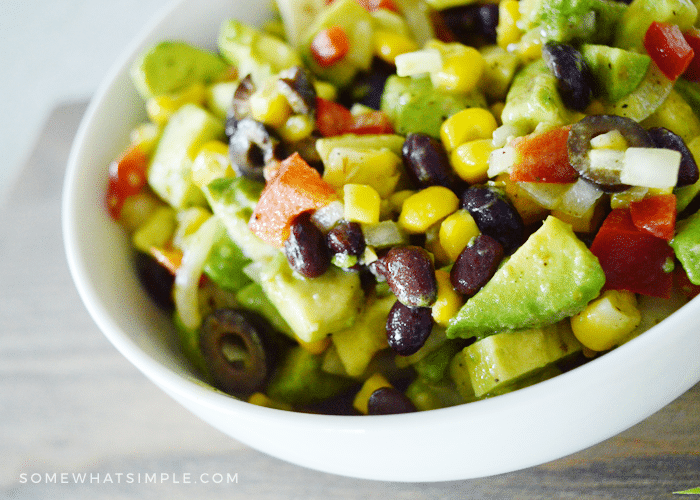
x: 330, y: 46
x: 633, y: 259
x: 543, y: 158
x: 668, y: 48
x: 127, y: 176
x: 692, y: 72
x: 296, y: 188
x: 335, y: 119
x: 374, y: 5
x: 656, y: 215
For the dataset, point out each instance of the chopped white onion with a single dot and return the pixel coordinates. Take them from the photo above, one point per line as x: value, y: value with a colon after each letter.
x: 579, y: 198
x: 651, y: 167
x: 384, y: 234
x: 548, y: 195
x: 328, y: 216
x: 500, y: 161
x: 418, y: 62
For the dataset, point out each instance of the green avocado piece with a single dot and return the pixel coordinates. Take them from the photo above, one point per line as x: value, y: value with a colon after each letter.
x: 253, y: 297
x: 675, y: 114
x: 255, y: 52
x: 617, y: 72
x: 644, y: 100
x: 496, y: 363
x: 552, y: 276
x: 313, y: 307
x: 686, y: 244
x: 533, y: 98
x: 427, y: 396
x: 170, y: 66
x: 170, y: 169
x: 569, y: 20
x: 413, y: 105
x: 299, y: 379
x: 225, y: 263
x: 635, y: 21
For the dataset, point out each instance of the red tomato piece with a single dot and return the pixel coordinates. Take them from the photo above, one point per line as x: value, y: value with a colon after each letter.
x: 331, y: 118
x: 127, y: 176
x: 656, y: 215
x: 374, y: 5
x: 543, y: 158
x: 683, y: 283
x: 329, y: 46
x: 692, y: 72
x: 372, y: 122
x: 633, y: 259
x: 668, y: 48
x: 296, y: 188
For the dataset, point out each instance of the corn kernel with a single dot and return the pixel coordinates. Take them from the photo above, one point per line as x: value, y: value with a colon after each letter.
x: 325, y: 90
x: 426, y: 207
x: 461, y: 71
x: 212, y: 162
x: 296, y: 128
x: 388, y: 45
x: 467, y: 125
x: 269, y: 106
x: 376, y: 381
x: 362, y: 203
x: 507, y: 31
x: 260, y: 399
x: 530, y: 47
x: 607, y: 320
x: 397, y: 198
x: 160, y: 108
x: 456, y: 231
x: 471, y: 160
x: 448, y: 301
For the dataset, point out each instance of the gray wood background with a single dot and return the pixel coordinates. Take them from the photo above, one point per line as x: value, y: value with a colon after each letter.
x: 78, y: 421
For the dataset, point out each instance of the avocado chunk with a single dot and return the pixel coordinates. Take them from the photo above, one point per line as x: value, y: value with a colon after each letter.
x: 232, y: 199
x: 504, y: 361
x: 533, y: 98
x: 568, y: 20
x: 635, y: 21
x: 170, y: 170
x: 413, y: 105
x: 313, y: 307
x: 254, y: 52
x: 225, y: 263
x: 552, y: 276
x: 686, y: 244
x: 675, y: 114
x: 299, y: 380
x: 170, y: 66
x: 616, y: 72
x: 252, y: 297
x: 428, y: 396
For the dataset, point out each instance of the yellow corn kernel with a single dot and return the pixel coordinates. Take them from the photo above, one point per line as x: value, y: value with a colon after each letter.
x: 374, y: 382
x: 507, y: 31
x: 269, y: 106
x: 316, y: 347
x: 260, y: 399
x: 607, y: 320
x: 325, y: 90
x: 467, y: 125
x: 471, y: 160
x: 461, y: 71
x: 427, y: 207
x: 296, y: 128
x: 160, y: 108
x: 456, y: 231
x: 212, y: 162
x: 388, y: 45
x: 397, y: 198
x: 432, y: 245
x: 530, y: 47
x: 362, y: 203
x: 448, y: 301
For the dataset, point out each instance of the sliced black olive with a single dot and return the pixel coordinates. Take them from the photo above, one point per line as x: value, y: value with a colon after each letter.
x: 579, y: 145
x: 156, y: 279
x: 664, y: 138
x: 252, y: 146
x: 574, y: 77
x: 389, y: 401
x: 297, y: 87
x: 234, y: 351
x: 240, y: 105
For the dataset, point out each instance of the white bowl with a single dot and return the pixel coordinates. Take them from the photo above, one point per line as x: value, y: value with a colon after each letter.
x: 518, y: 430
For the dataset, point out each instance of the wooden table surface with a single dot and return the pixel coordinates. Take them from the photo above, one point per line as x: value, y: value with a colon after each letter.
x: 78, y: 421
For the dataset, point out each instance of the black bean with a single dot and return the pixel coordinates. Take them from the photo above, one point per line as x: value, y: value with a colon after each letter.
x: 389, y: 401
x: 426, y: 161
x: 495, y: 217
x: 579, y: 145
x: 368, y: 86
x: 411, y: 276
x: 407, y: 328
x: 476, y: 264
x: 574, y: 77
x: 306, y: 248
x: 156, y: 279
x: 252, y: 146
x: 468, y: 22
x: 346, y: 238
x: 664, y: 138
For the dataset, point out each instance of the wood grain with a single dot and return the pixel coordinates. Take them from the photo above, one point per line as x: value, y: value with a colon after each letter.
x: 78, y: 421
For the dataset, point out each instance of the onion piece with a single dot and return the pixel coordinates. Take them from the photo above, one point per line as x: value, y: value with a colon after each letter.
x: 579, y: 198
